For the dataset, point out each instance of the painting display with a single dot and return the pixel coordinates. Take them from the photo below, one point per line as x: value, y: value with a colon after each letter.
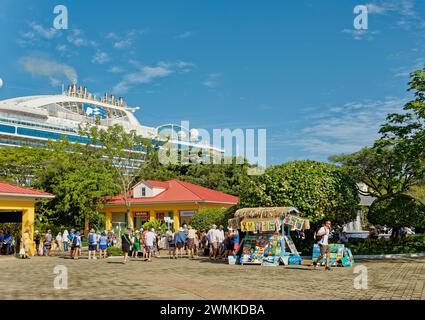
x: 265, y: 249
x: 339, y: 255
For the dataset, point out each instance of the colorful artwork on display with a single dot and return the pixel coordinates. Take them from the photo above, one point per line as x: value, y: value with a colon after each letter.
x: 339, y: 255
x: 262, y: 249
x: 272, y: 225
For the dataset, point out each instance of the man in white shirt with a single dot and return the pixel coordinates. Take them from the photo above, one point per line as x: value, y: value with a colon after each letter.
x: 213, y: 241
x: 220, y: 239
x: 149, y: 239
x: 322, y: 238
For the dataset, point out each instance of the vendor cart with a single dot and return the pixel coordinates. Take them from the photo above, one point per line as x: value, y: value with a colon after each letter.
x: 267, y: 239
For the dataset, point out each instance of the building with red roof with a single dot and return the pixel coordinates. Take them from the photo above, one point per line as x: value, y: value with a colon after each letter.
x: 175, y: 199
x: 17, y: 206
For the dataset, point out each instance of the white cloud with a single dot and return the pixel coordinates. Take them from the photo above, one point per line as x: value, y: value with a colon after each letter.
x: 184, y: 35
x: 211, y: 80
x: 55, y: 71
x: 77, y: 39
x: 47, y: 33
x: 146, y: 74
x: 125, y: 41
x: 115, y: 69
x: 61, y: 47
x: 344, y: 129
x: 361, y: 34
x: 100, y: 57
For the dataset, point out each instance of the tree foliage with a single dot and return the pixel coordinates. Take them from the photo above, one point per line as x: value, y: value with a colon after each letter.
x: 397, y: 210
x: 382, y: 168
x: 319, y: 190
x: 125, y: 152
x: 231, y: 177
x: 79, y: 180
x: 18, y: 165
x: 205, y: 218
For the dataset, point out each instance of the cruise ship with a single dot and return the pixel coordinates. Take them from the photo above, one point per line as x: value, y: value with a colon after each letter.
x: 34, y: 120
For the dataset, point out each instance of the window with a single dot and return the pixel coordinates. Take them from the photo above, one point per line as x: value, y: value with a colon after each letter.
x: 143, y: 192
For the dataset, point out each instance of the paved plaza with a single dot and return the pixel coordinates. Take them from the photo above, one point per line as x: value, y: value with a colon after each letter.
x: 201, y: 279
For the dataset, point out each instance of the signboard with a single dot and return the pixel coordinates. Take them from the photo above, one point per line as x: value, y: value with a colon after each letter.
x: 143, y: 214
x: 187, y: 213
x: 94, y: 111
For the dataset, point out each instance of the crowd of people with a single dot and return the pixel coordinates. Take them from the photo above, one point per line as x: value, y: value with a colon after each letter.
x: 216, y: 243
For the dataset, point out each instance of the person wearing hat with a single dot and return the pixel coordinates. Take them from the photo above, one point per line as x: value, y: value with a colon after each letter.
x: 92, y: 240
x: 180, y: 242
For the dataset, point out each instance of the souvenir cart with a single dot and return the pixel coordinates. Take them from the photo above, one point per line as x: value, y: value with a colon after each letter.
x: 339, y: 255
x: 267, y: 241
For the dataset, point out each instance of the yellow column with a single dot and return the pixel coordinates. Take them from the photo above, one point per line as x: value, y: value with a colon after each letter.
x: 176, y: 219
x: 152, y: 215
x: 28, y: 223
x: 108, y: 220
x: 131, y: 222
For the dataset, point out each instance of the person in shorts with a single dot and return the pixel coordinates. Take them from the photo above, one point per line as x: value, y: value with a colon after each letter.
x: 180, y: 242
x: 191, y: 235
x: 76, y: 245
x: 322, y: 238
x: 169, y: 236
x: 103, y: 245
x: 150, y: 237
x: 92, y: 240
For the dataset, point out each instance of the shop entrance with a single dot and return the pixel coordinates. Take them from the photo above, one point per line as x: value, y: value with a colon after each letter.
x: 140, y: 218
x: 10, y: 231
x: 186, y: 216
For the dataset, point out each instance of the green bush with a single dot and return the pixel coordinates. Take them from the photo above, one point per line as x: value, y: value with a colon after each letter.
x: 411, y: 244
x: 399, y: 210
x: 114, y: 251
x: 207, y: 217
x: 156, y: 224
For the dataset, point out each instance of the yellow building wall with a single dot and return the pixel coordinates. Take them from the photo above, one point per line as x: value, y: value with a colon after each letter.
x: 153, y: 209
x: 28, y: 216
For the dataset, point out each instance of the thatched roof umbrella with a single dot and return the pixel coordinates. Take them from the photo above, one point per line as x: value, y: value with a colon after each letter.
x: 265, y: 213
x: 272, y: 212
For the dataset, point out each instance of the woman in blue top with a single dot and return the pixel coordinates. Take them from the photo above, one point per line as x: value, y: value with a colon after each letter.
x: 180, y: 239
x: 103, y: 245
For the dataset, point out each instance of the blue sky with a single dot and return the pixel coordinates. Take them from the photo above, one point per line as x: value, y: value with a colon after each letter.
x: 295, y: 68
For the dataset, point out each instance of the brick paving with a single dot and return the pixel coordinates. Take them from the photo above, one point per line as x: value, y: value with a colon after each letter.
x: 201, y: 279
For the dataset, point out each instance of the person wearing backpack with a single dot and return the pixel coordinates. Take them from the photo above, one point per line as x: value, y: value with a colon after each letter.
x: 71, y: 238
x: 76, y: 245
x: 322, y: 239
x: 92, y: 240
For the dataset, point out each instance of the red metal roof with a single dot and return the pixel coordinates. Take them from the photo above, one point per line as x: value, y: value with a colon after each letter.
x: 13, y: 189
x: 178, y: 191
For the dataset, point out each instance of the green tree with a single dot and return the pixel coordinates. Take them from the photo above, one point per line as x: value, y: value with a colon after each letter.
x: 382, y: 168
x: 319, y: 190
x: 231, y: 177
x: 18, y: 165
x: 397, y: 210
x: 79, y: 181
x: 125, y: 152
x: 205, y: 218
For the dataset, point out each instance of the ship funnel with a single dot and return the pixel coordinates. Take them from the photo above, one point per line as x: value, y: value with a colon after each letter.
x: 85, y: 92
x: 69, y: 90
x: 74, y: 89
x: 112, y: 99
x: 120, y: 102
